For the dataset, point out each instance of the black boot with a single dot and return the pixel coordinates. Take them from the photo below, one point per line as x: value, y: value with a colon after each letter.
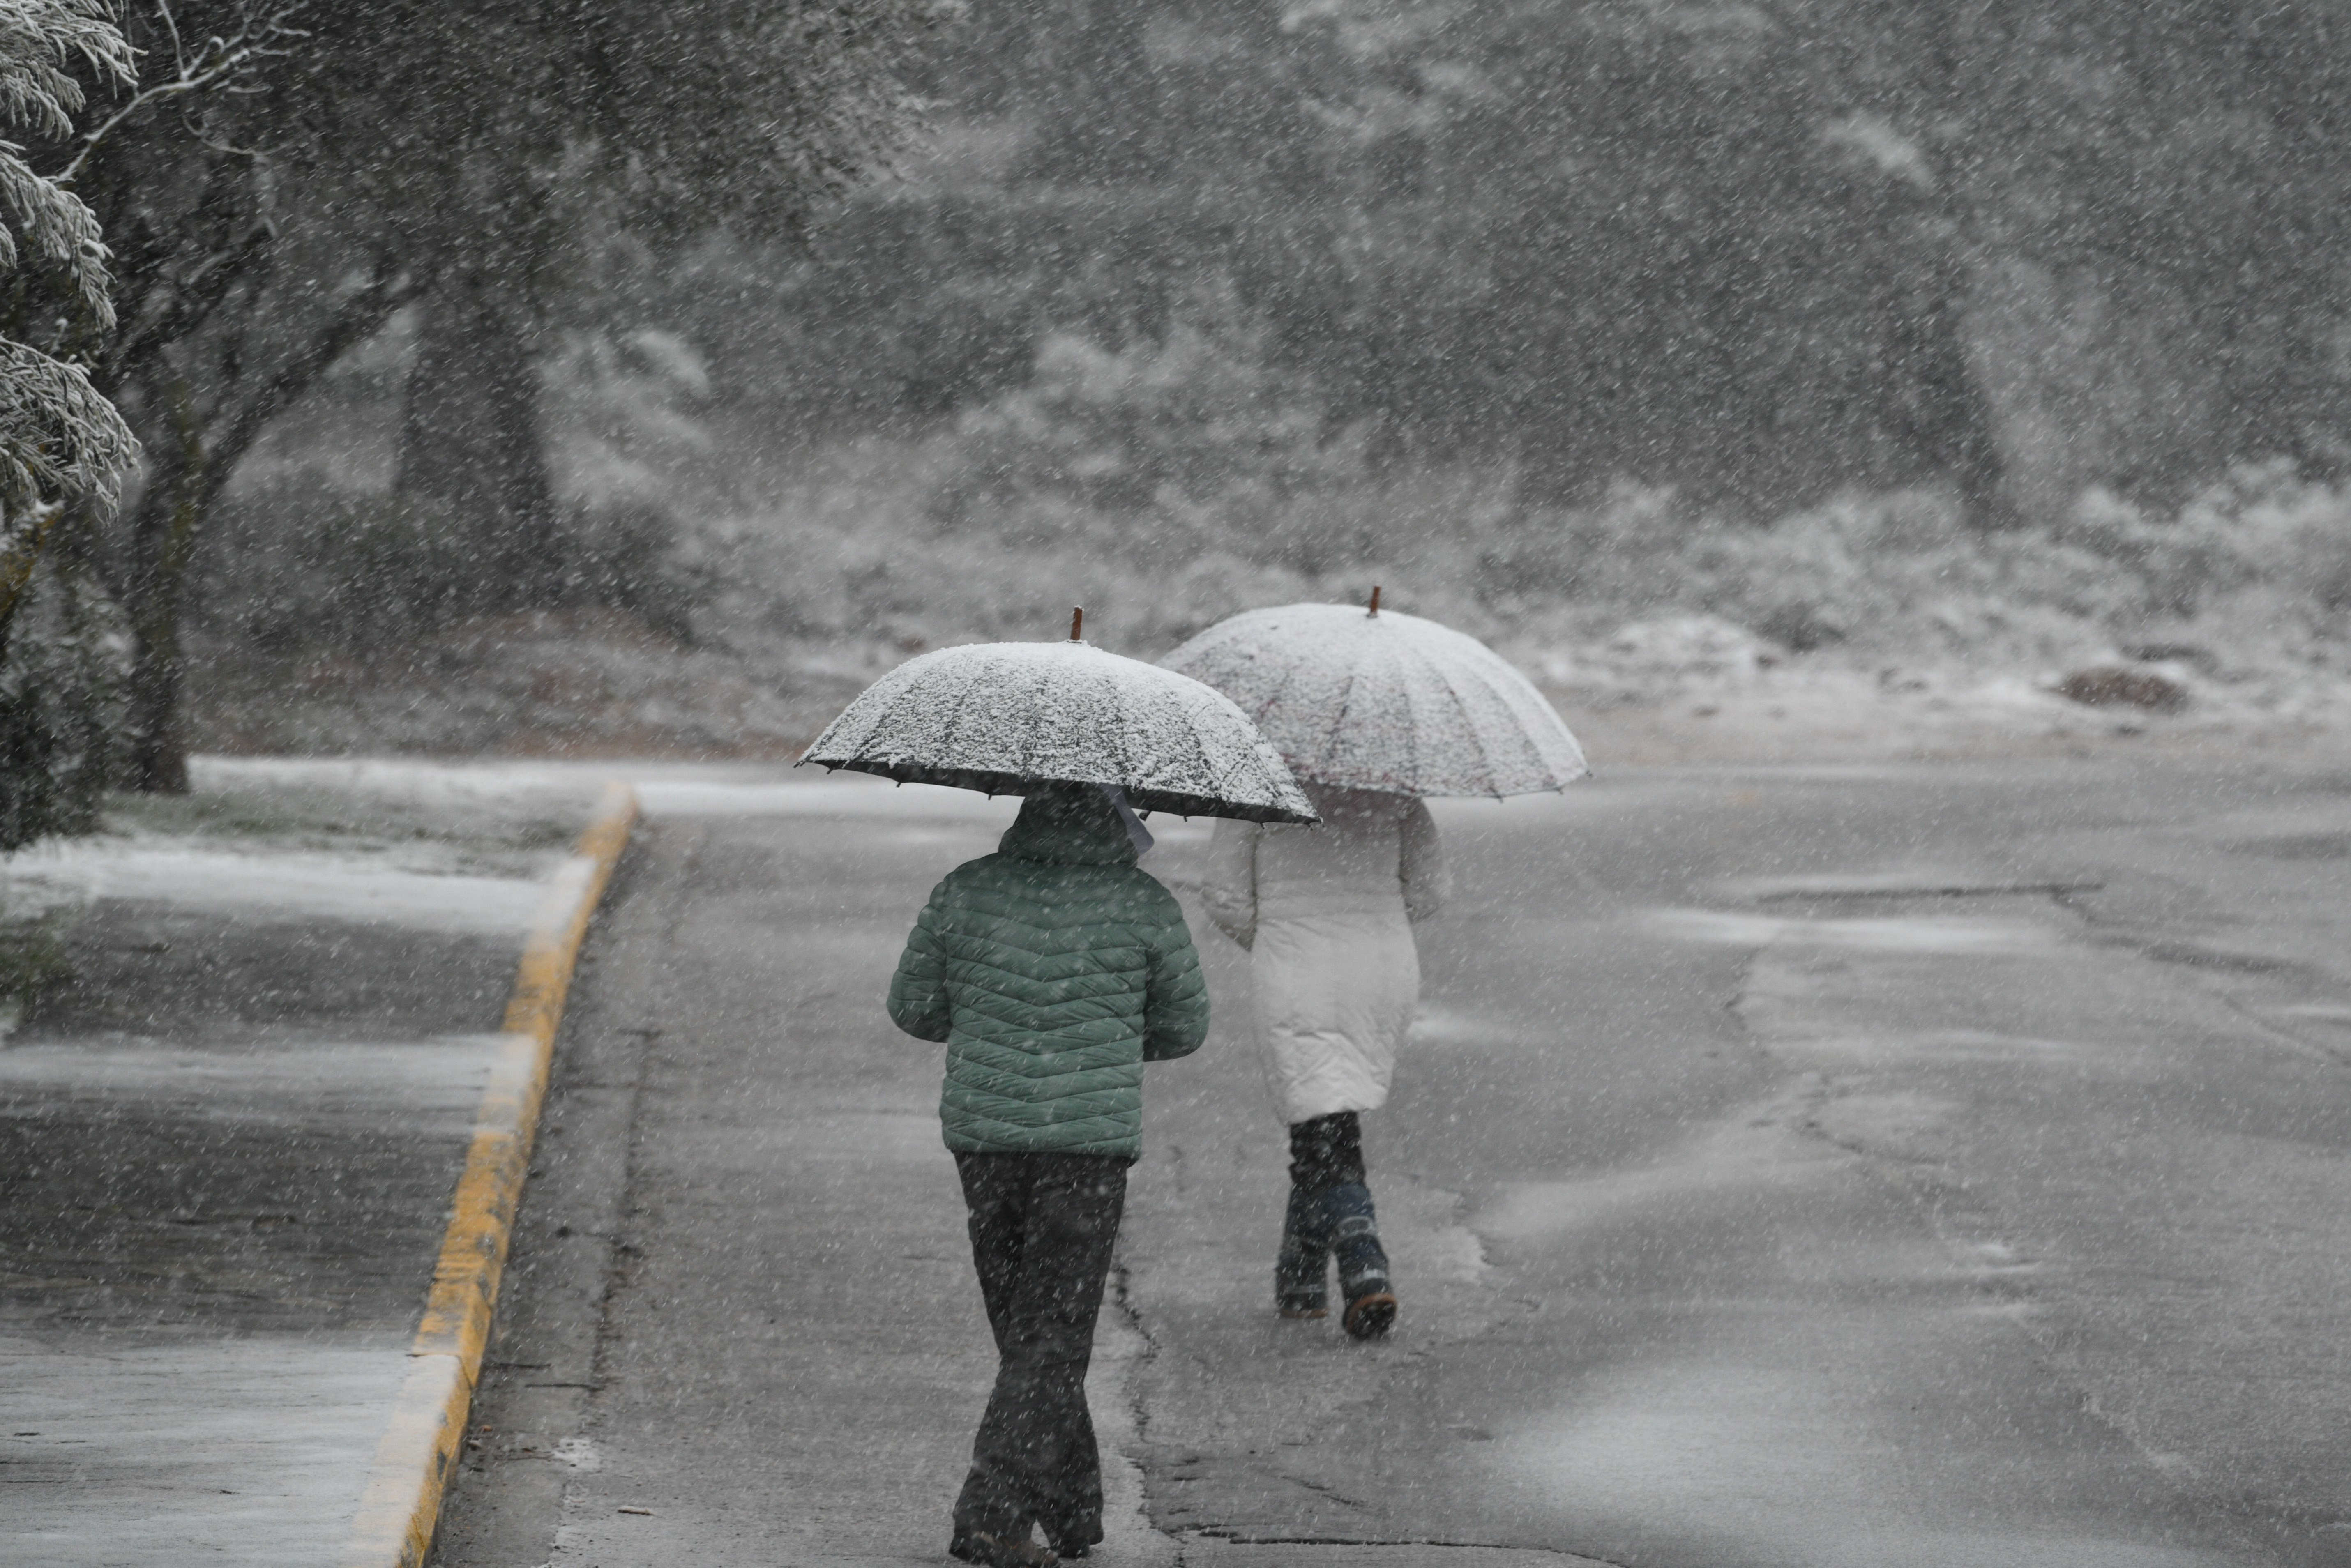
x: 1303, y: 1264
x: 1355, y: 1234
x: 1000, y: 1550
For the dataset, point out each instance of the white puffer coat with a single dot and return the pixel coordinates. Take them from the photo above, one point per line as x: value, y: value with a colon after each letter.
x: 1326, y: 913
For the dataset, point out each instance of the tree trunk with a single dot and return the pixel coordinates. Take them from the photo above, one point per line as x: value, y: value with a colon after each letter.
x: 1934, y: 406
x: 470, y: 445
x: 26, y: 536
x: 194, y: 443
x: 158, y: 764
x: 162, y: 536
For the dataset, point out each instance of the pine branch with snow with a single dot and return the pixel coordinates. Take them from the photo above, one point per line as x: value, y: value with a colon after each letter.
x: 57, y: 435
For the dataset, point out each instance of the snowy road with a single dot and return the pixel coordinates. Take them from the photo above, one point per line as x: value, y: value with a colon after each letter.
x: 1794, y: 1166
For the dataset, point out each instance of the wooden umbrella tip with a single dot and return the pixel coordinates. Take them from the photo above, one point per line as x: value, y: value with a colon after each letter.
x: 1376, y: 598
x: 1078, y: 623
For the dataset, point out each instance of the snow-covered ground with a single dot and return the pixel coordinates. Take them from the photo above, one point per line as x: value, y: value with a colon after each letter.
x: 247, y: 1076
x: 1662, y: 689
x: 440, y: 850
x: 1819, y: 711
x: 663, y: 787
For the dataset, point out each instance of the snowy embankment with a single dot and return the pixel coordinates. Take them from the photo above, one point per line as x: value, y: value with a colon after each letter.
x: 247, y: 1066
x: 1660, y: 688
x: 1871, y: 625
x: 1698, y: 688
x: 261, y: 843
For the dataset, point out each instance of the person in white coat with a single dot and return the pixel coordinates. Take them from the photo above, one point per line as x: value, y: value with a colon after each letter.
x: 1326, y: 913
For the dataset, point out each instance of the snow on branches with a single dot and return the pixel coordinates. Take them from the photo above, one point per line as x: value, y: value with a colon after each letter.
x: 58, y: 433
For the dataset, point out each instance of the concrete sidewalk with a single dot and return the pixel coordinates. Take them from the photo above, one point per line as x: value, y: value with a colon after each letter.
x: 227, y: 1145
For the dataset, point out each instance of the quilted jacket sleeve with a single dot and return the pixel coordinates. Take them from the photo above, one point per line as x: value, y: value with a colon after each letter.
x: 1176, y: 997
x: 1228, y: 885
x: 918, y: 991
x: 1426, y: 882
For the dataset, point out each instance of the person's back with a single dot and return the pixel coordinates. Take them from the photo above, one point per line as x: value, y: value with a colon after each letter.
x: 1326, y: 912
x: 1362, y: 858
x: 1053, y: 969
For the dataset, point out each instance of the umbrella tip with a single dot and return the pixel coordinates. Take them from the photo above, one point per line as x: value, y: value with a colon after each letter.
x: 1376, y: 598
x: 1078, y: 623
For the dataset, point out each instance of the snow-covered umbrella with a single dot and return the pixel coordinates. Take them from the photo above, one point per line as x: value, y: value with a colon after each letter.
x: 1005, y: 716
x: 1380, y: 701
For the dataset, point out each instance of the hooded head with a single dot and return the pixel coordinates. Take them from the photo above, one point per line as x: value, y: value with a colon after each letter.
x: 1068, y: 824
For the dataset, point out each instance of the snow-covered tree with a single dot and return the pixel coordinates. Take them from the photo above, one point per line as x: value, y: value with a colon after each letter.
x: 1164, y: 450
x: 60, y: 438
x: 590, y: 141
x: 62, y: 444
x: 290, y: 174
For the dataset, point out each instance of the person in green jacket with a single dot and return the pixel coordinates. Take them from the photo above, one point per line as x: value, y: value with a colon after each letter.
x: 1053, y: 969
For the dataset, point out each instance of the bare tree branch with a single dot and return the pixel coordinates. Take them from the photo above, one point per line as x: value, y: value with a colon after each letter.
x: 267, y: 32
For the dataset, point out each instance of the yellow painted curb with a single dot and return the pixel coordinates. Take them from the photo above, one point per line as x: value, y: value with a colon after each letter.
x: 403, y: 1500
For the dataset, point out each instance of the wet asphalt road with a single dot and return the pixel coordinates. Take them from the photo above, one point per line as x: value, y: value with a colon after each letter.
x: 1792, y: 1166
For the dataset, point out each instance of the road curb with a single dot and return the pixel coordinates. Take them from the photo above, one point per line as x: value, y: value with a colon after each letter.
x: 402, y: 1503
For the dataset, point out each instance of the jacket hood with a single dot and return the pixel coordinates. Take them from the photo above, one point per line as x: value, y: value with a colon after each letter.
x: 1068, y: 824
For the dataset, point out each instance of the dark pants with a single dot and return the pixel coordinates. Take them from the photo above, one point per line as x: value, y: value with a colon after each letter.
x: 1329, y: 1212
x: 1041, y: 1229
x: 1326, y: 1152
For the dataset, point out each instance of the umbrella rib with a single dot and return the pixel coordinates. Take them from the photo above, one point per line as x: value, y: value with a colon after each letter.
x: 1281, y: 688
x: 1415, y: 776
x: 1477, y: 739
x: 947, y: 731
x: 1027, y: 752
x: 1538, y: 760
x: 1125, y: 764
x: 1513, y: 692
x: 889, y: 709
x: 1375, y: 650
x: 1477, y: 735
x: 1207, y: 771
x: 1346, y: 702
x: 1208, y: 767
x: 1240, y: 760
x: 1470, y: 725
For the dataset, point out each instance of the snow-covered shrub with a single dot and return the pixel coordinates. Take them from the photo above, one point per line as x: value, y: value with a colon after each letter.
x: 625, y: 555
x: 1161, y: 453
x: 1124, y: 479
x: 2262, y: 522
x: 60, y: 708
x: 618, y: 409
x: 2259, y: 563
x: 303, y: 563
x: 1675, y: 648
x: 1630, y: 550
x: 1161, y: 484
x: 1903, y: 572
x: 831, y: 590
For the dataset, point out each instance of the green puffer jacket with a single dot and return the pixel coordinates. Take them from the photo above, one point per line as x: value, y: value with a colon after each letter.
x: 1053, y: 968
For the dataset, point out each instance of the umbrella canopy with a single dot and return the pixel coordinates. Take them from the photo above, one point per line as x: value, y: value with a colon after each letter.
x: 1385, y: 702
x: 1004, y: 717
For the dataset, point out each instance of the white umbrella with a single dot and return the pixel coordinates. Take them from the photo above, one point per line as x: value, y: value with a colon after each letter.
x: 1386, y: 701
x: 1003, y: 717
